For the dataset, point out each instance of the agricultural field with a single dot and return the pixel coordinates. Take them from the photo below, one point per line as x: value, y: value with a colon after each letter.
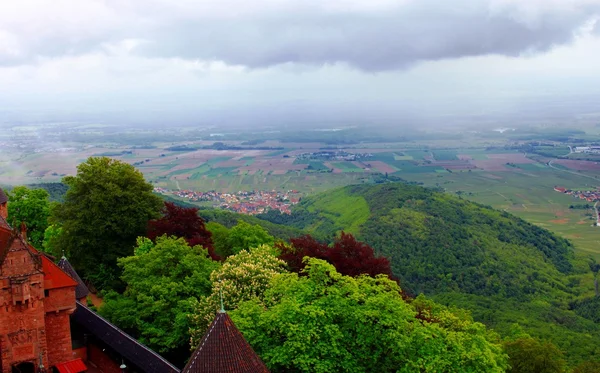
x: 485, y: 170
x: 528, y: 192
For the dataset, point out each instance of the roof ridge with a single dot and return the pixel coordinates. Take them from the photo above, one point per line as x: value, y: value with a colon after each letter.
x: 85, y: 309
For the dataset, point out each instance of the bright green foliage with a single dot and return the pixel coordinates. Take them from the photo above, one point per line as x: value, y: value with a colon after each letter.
x: 106, y: 208
x: 51, y: 240
x: 32, y: 207
x: 219, y: 238
x: 464, y: 254
x: 245, y: 236
x: 163, y: 283
x: 143, y: 246
x: 326, y: 322
x: 529, y: 355
x: 243, y: 276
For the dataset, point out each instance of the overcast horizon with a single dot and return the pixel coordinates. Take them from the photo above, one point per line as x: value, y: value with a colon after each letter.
x: 342, y: 60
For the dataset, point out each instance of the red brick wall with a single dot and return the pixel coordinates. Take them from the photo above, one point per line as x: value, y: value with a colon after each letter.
x: 4, y: 210
x: 101, y: 360
x: 60, y: 299
x: 22, y: 334
x: 58, y: 337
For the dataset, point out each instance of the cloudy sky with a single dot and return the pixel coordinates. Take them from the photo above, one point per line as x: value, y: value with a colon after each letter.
x: 337, y: 59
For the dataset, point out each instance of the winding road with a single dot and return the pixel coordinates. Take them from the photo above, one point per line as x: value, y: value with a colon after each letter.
x: 571, y: 172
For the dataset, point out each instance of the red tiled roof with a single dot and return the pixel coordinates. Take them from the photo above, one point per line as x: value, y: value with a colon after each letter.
x: 3, y: 197
x: 224, y: 350
x: 73, y: 366
x: 54, y: 277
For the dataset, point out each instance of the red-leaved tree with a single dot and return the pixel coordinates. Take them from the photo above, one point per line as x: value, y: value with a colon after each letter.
x: 349, y: 256
x: 182, y: 222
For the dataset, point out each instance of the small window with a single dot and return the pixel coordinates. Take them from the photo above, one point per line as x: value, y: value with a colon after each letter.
x: 46, y: 293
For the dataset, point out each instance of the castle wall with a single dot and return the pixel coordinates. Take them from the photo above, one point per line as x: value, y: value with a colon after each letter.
x: 58, y: 331
x: 60, y: 300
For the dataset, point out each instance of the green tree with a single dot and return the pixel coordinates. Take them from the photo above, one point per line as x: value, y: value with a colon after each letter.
x: 588, y: 367
x: 326, y: 322
x: 220, y: 233
x: 529, y: 355
x: 164, y: 281
x: 51, y: 243
x: 244, y: 236
x: 243, y: 276
x: 32, y: 207
x: 106, y: 208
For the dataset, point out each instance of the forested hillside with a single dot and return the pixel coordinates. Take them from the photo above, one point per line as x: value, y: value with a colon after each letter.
x: 460, y: 253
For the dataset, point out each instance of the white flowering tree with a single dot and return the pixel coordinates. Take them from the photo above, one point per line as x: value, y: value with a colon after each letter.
x: 243, y: 276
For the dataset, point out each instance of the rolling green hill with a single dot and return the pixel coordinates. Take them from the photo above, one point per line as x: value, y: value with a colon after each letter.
x: 464, y: 254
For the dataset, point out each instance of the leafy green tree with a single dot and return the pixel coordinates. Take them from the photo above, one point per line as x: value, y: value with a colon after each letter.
x: 108, y: 205
x: 164, y: 281
x: 588, y: 367
x: 32, y: 207
x: 243, y: 276
x: 219, y: 237
x: 529, y: 355
x: 595, y: 268
x: 51, y: 240
x: 244, y: 236
x: 326, y: 322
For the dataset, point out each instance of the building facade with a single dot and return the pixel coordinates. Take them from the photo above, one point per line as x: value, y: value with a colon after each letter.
x: 36, y: 299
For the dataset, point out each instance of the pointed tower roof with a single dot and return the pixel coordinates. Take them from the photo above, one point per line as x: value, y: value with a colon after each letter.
x: 224, y: 350
x: 81, y: 291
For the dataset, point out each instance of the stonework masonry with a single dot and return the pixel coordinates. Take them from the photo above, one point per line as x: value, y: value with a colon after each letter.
x: 36, y: 298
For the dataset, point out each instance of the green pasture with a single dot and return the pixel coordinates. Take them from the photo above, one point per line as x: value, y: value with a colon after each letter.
x: 445, y: 155
x: 347, y: 167
x: 529, y: 195
x: 279, y: 152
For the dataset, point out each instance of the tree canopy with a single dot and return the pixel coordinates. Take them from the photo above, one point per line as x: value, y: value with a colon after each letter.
x: 183, y: 222
x: 32, y: 207
x: 327, y: 322
x: 243, y: 276
x: 106, y: 208
x: 349, y: 256
x: 244, y: 236
x: 529, y: 355
x: 164, y: 281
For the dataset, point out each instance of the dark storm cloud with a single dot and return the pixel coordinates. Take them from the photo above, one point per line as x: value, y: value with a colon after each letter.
x: 372, y: 39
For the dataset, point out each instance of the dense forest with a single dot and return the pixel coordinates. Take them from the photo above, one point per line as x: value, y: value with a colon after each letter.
x: 503, y: 269
x: 392, y: 275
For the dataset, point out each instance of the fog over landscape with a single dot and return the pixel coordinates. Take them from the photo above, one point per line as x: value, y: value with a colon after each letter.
x: 287, y: 62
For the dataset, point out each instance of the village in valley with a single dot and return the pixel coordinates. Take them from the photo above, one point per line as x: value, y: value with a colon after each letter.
x: 245, y: 202
x: 586, y: 195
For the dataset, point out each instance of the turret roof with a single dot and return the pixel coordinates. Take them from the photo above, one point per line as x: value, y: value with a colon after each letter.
x: 224, y: 350
x: 81, y: 291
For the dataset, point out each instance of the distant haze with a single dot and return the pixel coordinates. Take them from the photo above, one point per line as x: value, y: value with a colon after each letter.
x: 274, y: 62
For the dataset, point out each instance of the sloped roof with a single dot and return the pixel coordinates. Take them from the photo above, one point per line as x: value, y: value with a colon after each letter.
x: 54, y: 276
x: 81, y: 291
x: 224, y: 350
x: 133, y: 351
x: 3, y: 197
